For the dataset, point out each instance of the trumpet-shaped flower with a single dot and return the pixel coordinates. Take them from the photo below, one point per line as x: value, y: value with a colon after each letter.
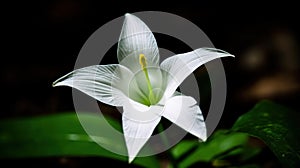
x: 144, y: 87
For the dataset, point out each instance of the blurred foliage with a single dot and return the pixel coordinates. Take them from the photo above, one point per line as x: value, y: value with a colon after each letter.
x: 62, y: 135
x: 277, y: 126
x: 221, y: 146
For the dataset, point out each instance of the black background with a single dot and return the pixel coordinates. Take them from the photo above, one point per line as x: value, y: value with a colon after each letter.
x: 41, y: 41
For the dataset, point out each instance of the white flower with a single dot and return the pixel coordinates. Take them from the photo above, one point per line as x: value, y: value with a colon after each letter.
x: 145, y: 89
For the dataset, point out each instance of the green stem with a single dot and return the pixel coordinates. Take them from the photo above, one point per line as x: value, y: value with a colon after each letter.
x: 164, y: 138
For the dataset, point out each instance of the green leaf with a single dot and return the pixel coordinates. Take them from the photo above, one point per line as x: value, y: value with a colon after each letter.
x: 277, y: 126
x: 62, y: 135
x: 218, y: 147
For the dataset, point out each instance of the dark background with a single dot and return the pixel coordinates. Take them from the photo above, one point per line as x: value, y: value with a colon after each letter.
x: 41, y: 41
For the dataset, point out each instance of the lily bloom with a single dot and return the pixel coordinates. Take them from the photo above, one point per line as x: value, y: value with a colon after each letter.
x: 144, y: 87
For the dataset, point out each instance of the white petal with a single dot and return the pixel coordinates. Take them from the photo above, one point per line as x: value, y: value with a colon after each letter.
x: 137, y: 132
x: 135, y: 39
x: 136, y: 135
x: 182, y: 65
x: 138, y: 122
x: 184, y: 112
x: 102, y: 82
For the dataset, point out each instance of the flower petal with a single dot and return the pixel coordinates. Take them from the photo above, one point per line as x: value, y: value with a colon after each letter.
x: 182, y: 65
x: 138, y: 122
x: 135, y: 39
x: 102, y: 82
x: 136, y: 134
x: 184, y: 112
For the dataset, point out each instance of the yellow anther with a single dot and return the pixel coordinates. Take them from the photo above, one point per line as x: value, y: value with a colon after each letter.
x: 143, y: 61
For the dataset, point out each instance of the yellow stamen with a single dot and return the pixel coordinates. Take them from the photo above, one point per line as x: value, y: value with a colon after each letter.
x: 143, y: 63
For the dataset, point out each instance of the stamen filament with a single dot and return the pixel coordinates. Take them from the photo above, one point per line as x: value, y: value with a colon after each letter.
x: 143, y: 63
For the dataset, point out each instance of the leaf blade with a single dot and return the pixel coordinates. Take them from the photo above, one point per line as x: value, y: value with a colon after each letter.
x: 277, y: 126
x: 58, y: 135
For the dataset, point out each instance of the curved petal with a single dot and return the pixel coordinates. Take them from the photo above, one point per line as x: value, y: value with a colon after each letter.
x: 102, y: 82
x: 184, y: 112
x: 182, y: 65
x: 135, y: 39
x: 138, y: 126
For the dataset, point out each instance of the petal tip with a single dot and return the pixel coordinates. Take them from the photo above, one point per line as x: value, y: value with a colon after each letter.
x: 203, y: 139
x: 231, y: 55
x: 130, y: 159
x: 127, y: 14
x: 55, y: 83
x: 58, y: 82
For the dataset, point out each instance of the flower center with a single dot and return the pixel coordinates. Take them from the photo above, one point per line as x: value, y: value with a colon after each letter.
x: 143, y: 63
